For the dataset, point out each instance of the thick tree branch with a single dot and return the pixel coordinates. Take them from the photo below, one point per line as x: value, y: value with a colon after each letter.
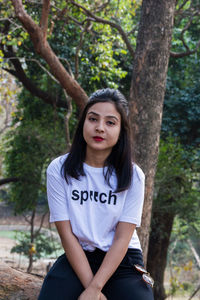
x: 42, y: 47
x: 183, y: 54
x: 28, y: 84
x: 97, y: 19
x: 44, y: 17
x: 189, y: 14
x: 8, y: 180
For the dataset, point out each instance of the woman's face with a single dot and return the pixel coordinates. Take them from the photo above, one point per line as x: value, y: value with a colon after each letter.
x: 102, y: 127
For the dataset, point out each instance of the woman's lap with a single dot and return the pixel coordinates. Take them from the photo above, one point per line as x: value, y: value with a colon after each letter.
x: 128, y: 288
x: 61, y: 283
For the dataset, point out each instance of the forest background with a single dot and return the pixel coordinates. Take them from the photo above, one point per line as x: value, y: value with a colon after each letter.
x: 61, y: 51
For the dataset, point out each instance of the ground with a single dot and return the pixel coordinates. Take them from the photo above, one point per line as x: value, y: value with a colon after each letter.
x: 9, y: 222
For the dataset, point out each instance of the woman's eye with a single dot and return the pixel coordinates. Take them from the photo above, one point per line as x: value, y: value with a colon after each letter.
x: 110, y: 123
x: 92, y: 119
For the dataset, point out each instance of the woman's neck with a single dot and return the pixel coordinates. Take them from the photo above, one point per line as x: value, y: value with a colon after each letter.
x: 96, y: 159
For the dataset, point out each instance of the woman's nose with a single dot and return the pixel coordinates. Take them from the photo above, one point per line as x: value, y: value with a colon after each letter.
x: 100, y: 127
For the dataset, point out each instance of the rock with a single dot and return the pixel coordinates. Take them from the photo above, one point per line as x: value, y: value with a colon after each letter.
x: 17, y: 285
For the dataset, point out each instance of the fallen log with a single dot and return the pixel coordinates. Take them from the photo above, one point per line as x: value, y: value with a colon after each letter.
x: 17, y: 285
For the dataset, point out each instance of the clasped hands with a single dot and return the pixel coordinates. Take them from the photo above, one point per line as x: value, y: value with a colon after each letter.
x: 92, y: 294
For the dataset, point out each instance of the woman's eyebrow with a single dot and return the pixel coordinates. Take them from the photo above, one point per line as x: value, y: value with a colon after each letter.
x: 92, y: 112
x: 114, y: 117
x: 109, y: 116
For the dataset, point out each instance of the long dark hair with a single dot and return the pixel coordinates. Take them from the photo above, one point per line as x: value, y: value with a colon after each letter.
x: 120, y: 158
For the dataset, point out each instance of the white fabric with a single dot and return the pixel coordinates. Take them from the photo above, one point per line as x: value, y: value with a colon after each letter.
x: 92, y: 206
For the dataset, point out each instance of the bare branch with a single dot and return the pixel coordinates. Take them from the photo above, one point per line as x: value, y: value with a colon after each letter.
x: 195, y: 292
x: 95, y: 18
x: 194, y: 253
x: 44, y: 17
x: 186, y: 27
x: 102, y: 6
x: 8, y: 180
x: 76, y: 21
x: 68, y: 66
x: 179, y: 10
x: 67, y: 117
x: 41, y: 224
x: 29, y: 84
x: 78, y: 50
x: 27, y: 219
x: 43, y: 68
x: 183, y: 54
x: 4, y: 128
x: 132, y: 31
x: 80, y: 24
x: 12, y: 22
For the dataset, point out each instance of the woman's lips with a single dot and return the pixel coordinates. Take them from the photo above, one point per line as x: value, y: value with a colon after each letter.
x: 98, y: 138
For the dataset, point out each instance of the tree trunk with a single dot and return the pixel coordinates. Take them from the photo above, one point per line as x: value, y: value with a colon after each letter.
x: 18, y: 285
x: 147, y: 94
x: 161, y: 227
x: 31, y: 246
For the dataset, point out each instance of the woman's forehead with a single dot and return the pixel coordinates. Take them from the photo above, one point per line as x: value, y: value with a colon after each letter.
x: 104, y: 109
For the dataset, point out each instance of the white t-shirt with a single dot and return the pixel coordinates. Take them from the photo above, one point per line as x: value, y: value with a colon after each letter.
x: 92, y: 206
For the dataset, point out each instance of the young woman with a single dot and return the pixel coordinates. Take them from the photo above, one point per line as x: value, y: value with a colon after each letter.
x: 95, y: 195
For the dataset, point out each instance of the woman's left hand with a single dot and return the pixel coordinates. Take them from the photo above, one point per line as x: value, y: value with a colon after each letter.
x: 91, y: 294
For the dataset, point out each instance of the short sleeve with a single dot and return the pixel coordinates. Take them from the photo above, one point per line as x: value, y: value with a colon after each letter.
x: 132, y: 210
x: 56, y: 194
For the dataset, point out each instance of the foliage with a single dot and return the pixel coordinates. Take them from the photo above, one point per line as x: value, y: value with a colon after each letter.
x: 177, y: 196
x: 42, y: 246
x: 38, y: 132
x: 175, y: 183
x: 181, y: 114
x: 182, y: 264
x: 180, y: 250
x: 8, y: 92
x: 99, y: 54
x: 38, y: 135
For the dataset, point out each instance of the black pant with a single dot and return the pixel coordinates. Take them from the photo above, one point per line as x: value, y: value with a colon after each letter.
x: 61, y: 283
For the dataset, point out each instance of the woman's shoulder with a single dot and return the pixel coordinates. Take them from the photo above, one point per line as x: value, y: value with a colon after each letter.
x: 56, y: 164
x: 138, y: 173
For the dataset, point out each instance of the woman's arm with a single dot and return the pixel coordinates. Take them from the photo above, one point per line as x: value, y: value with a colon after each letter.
x: 77, y: 257
x: 74, y: 252
x: 112, y: 259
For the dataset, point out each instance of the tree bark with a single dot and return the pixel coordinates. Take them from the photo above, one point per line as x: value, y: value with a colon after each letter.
x: 161, y: 227
x: 30, y: 266
x: 18, y: 285
x: 8, y: 180
x: 147, y: 94
x: 42, y: 47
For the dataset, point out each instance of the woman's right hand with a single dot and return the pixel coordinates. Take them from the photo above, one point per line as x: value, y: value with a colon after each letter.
x: 91, y: 294
x: 103, y: 297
